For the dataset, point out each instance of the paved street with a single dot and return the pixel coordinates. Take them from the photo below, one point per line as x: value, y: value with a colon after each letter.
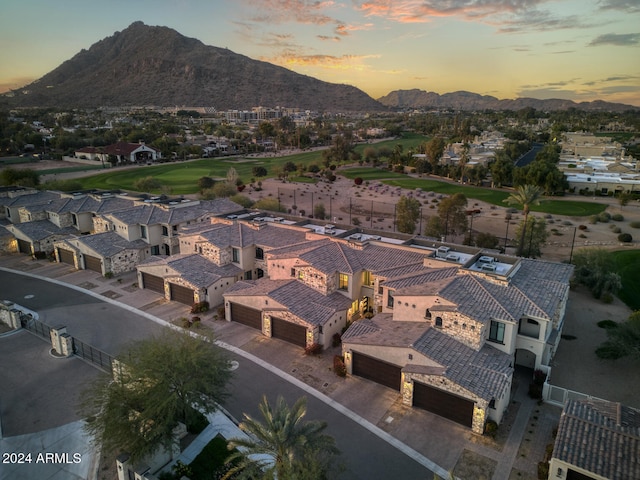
x: 107, y: 326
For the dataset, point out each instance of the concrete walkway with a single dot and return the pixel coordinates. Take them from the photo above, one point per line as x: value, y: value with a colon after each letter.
x: 433, y: 441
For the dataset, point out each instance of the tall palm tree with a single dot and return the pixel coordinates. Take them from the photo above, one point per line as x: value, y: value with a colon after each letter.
x: 278, y: 446
x: 525, y: 195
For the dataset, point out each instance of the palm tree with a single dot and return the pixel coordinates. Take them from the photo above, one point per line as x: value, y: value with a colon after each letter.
x: 525, y: 195
x: 283, y: 445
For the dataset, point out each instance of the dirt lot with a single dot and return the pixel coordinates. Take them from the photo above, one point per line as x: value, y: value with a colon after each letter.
x: 491, y: 219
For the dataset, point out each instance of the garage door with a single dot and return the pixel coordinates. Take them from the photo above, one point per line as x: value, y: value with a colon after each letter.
x: 442, y: 403
x: 153, y: 283
x: 93, y: 264
x: 181, y: 294
x: 246, y: 315
x: 380, y: 372
x: 66, y: 256
x: 24, y: 246
x: 289, y: 332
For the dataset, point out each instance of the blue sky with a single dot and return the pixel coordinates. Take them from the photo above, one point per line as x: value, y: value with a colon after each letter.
x: 581, y: 50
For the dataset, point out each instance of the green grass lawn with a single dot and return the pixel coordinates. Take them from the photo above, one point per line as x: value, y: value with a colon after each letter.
x: 210, y: 459
x: 182, y: 177
x: 628, y: 266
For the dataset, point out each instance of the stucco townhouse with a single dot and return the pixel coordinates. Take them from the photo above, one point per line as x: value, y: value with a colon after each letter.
x: 127, y: 236
x: 214, y: 256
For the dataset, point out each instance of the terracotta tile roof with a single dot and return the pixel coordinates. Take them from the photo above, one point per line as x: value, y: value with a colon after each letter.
x: 39, y: 230
x: 485, y: 373
x: 601, y: 437
x: 199, y: 271
x: 303, y: 301
x: 124, y: 148
x: 414, y: 282
x: 108, y: 244
x: 242, y: 235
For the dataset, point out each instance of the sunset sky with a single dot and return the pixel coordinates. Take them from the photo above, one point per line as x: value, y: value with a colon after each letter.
x: 580, y: 50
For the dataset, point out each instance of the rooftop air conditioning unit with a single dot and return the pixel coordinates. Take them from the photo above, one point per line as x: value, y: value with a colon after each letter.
x: 453, y: 257
x: 488, y: 267
x: 486, y: 259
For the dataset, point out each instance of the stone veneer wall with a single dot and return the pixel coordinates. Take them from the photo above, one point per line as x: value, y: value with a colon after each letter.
x: 124, y: 261
x: 442, y: 383
x: 27, y: 216
x: 464, y: 329
x: 8, y: 245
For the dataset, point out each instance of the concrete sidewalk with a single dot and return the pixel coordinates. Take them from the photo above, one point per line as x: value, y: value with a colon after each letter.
x: 444, y: 443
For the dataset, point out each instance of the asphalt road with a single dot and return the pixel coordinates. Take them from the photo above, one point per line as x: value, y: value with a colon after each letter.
x: 111, y: 328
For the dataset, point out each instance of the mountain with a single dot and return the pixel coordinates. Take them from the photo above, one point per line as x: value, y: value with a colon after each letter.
x: 145, y: 65
x: 420, y: 99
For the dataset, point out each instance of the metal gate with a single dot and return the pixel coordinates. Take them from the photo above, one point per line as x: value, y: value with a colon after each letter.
x: 35, y: 326
x: 97, y: 357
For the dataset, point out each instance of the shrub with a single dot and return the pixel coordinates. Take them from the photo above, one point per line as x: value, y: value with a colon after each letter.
x: 357, y: 181
x: 543, y: 470
x: 616, y: 229
x: 195, y: 321
x: 617, y: 217
x: 200, y: 307
x: 491, y: 428
x: 355, y: 221
x: 108, y: 275
x: 313, y: 349
x: 604, y: 217
x: 336, y: 339
x: 539, y: 377
x: 607, y: 298
x: 339, y: 367
x: 625, y: 237
x: 593, y: 219
x: 634, y: 224
x: 186, y: 323
x: 221, y: 313
x: 582, y: 227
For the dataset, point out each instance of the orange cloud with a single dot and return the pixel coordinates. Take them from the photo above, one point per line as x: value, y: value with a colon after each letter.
x: 343, y: 62
x: 413, y: 11
x: 282, y: 11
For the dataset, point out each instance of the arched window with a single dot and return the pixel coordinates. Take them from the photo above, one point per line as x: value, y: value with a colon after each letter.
x: 427, y: 314
x: 438, y: 321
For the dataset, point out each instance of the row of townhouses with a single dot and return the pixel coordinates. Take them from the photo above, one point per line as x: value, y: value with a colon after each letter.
x: 442, y: 324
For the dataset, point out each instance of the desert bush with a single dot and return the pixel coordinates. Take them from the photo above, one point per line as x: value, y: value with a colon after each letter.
x: 625, y: 237
x: 617, y: 217
x: 604, y: 217
x: 634, y: 224
x: 491, y: 428
x: 221, y: 313
x: 339, y: 367
x: 200, y: 307
x: 313, y: 349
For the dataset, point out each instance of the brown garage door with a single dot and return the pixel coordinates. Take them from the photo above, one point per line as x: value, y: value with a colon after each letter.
x: 380, y: 372
x: 181, y: 294
x: 92, y: 263
x: 24, y: 246
x: 153, y: 283
x: 246, y: 315
x: 442, y: 403
x: 66, y: 256
x: 289, y: 332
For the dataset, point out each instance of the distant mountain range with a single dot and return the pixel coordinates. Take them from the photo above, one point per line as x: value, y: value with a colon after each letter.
x: 420, y: 99
x: 157, y: 66
x: 144, y: 65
